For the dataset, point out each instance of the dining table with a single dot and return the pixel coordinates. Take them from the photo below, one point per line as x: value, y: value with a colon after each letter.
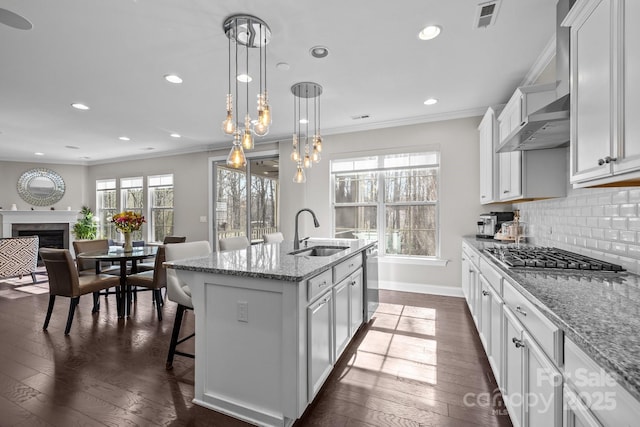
x: 118, y: 254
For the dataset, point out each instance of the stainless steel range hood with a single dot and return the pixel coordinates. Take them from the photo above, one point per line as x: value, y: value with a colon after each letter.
x: 548, y: 127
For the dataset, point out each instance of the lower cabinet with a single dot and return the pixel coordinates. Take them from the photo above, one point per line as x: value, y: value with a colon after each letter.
x: 513, y: 372
x: 342, y: 324
x: 319, y: 342
x: 576, y: 413
x: 357, y: 302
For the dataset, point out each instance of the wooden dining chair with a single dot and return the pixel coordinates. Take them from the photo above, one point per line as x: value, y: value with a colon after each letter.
x: 231, y: 243
x: 65, y: 281
x: 178, y: 291
x: 153, y: 280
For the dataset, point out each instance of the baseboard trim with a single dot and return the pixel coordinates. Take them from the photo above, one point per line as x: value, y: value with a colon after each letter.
x: 448, y: 291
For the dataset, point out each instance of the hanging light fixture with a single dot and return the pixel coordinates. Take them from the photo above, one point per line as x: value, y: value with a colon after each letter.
x: 306, y: 148
x: 249, y: 32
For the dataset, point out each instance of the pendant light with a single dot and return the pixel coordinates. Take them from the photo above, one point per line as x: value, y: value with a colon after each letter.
x: 305, y: 147
x: 249, y: 32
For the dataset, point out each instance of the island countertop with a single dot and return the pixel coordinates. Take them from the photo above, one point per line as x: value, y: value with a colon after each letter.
x: 273, y: 260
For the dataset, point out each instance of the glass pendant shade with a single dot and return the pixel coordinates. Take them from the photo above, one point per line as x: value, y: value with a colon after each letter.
x: 317, y: 143
x: 307, y: 161
x: 228, y: 125
x: 236, y: 158
x: 295, y: 155
x: 315, y: 156
x: 247, y: 137
x: 306, y: 105
x: 299, y: 177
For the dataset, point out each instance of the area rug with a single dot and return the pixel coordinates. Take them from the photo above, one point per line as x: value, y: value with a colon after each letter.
x: 17, y: 287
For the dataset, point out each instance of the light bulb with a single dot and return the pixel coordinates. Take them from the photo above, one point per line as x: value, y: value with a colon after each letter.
x: 247, y: 139
x: 236, y: 158
x: 317, y: 140
x: 228, y: 126
x: 307, y: 161
x: 295, y: 156
x: 299, y: 177
x: 315, y: 156
x: 259, y: 129
x: 266, y: 114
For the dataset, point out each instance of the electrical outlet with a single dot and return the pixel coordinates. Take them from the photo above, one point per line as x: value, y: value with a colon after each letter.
x: 243, y: 311
x: 203, y: 219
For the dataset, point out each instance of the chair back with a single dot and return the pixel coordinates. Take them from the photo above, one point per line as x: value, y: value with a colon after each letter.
x: 174, y: 239
x: 63, y: 277
x: 273, y: 237
x: 175, y: 286
x: 159, y: 271
x: 80, y: 246
x: 231, y: 243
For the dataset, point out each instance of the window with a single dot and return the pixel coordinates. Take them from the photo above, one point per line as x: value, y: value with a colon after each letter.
x: 106, y: 207
x: 246, y: 199
x: 392, y: 198
x: 132, y: 199
x: 160, y: 220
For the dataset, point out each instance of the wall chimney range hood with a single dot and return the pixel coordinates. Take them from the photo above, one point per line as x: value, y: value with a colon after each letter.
x: 548, y: 127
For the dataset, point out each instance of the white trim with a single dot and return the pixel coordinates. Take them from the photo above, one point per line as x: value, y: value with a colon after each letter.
x: 420, y: 288
x: 543, y: 60
x: 405, y: 260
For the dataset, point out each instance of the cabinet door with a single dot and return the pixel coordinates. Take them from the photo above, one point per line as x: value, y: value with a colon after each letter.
x: 357, y: 301
x: 576, y: 414
x: 510, y: 175
x: 465, y: 278
x: 341, y: 303
x: 485, y: 315
x: 542, y: 387
x: 474, y: 288
x: 486, y: 130
x: 495, y: 355
x: 628, y: 149
x: 591, y: 92
x: 513, y: 368
x: 319, y: 348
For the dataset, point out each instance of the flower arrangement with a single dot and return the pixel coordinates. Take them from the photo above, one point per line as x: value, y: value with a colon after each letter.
x: 128, y: 221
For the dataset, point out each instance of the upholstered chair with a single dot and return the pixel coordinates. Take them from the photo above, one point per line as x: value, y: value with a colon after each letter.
x: 273, y: 237
x: 231, y: 243
x: 153, y: 280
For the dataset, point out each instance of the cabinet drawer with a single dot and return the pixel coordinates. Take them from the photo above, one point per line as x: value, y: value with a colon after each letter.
x: 548, y: 335
x: 491, y: 275
x: 318, y: 284
x: 346, y: 267
x: 605, y: 398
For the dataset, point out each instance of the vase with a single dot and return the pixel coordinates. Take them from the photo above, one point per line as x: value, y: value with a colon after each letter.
x: 128, y: 247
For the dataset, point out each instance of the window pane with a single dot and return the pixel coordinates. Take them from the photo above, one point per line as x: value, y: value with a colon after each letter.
x: 231, y: 202
x: 363, y: 163
x: 411, y: 185
x: 106, y: 207
x: 161, y: 222
x: 411, y: 230
x: 356, y: 222
x: 356, y: 188
x: 264, y: 198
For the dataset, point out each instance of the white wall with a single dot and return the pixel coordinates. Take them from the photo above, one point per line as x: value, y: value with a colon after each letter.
x: 75, y: 179
x: 459, y: 193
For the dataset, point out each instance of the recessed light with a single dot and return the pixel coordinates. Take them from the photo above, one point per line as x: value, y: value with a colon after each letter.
x: 124, y: 138
x: 319, y: 51
x: 172, y: 78
x: 79, y: 106
x: 304, y: 121
x: 430, y: 101
x: 244, y: 78
x: 147, y: 148
x: 72, y: 147
x: 430, y: 32
x: 283, y: 66
x: 176, y: 135
x: 39, y: 154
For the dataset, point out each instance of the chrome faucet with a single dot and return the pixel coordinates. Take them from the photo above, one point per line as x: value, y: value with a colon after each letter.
x: 296, y: 242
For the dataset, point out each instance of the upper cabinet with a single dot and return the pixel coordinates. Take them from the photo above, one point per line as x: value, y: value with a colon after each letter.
x: 605, y: 92
x: 489, y: 162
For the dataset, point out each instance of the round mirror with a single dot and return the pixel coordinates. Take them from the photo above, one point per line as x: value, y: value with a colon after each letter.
x: 41, y: 187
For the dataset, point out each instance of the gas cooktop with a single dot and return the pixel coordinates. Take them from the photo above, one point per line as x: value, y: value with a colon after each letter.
x: 536, y: 257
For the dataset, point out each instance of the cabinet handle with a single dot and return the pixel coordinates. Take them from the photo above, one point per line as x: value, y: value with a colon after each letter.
x: 606, y: 160
x: 326, y: 300
x: 353, y: 283
x: 521, y: 311
x: 323, y: 284
x: 518, y: 343
x: 505, y: 191
x: 350, y: 265
x: 483, y: 197
x: 485, y: 293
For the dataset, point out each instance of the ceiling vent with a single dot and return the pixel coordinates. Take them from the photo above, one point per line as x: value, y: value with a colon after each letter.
x: 486, y: 14
x: 360, y: 117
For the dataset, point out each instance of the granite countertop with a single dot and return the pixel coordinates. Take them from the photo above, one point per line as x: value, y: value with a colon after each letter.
x: 272, y: 260
x: 599, y: 312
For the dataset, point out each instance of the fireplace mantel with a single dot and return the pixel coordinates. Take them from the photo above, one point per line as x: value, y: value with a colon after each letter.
x: 36, y: 217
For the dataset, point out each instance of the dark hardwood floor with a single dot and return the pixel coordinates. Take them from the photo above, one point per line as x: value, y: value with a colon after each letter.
x: 418, y: 363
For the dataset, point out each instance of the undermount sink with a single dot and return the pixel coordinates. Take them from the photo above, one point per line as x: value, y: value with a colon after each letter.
x: 319, y: 251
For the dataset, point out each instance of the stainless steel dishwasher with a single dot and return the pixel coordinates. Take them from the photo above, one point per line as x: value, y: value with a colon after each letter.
x: 371, y: 281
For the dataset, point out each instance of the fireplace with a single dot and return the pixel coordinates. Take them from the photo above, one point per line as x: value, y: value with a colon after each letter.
x: 51, y: 226
x: 50, y: 235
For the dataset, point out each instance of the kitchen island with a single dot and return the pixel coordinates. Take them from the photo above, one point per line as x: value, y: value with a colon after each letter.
x: 270, y: 324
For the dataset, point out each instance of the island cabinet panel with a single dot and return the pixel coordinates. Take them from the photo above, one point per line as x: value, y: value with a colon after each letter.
x: 341, y: 301
x: 320, y: 349
x: 356, y: 309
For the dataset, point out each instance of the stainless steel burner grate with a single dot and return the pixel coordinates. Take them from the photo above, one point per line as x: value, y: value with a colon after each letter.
x: 543, y: 257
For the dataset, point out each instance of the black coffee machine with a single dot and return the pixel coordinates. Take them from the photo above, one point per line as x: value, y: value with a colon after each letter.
x: 489, y: 223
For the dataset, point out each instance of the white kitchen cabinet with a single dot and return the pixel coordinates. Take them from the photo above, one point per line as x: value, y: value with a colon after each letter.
x: 319, y: 343
x: 513, y: 374
x: 510, y: 175
x: 542, y: 387
x: 342, y: 323
x: 356, y: 311
x: 489, y: 162
x: 485, y: 313
x: 524, y: 101
x: 605, y: 92
x: 575, y: 412
x: 533, y: 174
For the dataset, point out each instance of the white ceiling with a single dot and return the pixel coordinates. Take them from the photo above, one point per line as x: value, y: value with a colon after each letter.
x: 112, y: 56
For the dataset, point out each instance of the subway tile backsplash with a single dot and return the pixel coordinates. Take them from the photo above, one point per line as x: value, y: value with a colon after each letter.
x: 601, y: 223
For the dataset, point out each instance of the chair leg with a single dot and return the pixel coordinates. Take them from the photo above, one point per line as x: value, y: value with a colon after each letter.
x: 52, y: 300
x: 33, y: 277
x: 158, y: 298
x: 174, y: 335
x: 96, y: 302
x: 72, y: 310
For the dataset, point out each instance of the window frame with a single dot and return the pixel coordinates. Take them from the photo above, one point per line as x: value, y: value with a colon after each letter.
x: 380, y: 203
x: 107, y: 226
x: 150, y: 209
